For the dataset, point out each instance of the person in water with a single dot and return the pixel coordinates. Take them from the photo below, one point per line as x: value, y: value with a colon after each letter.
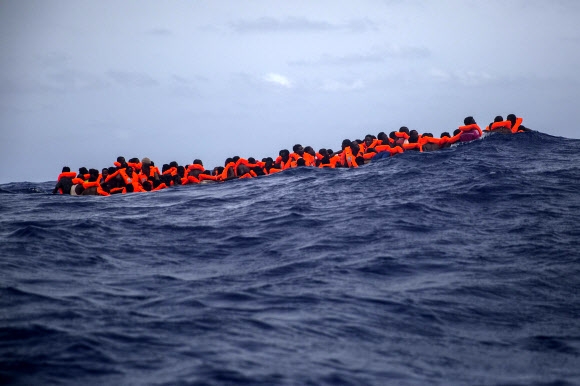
x: 517, y: 126
x: 283, y: 161
x: 470, y: 130
x: 499, y: 125
x: 64, y: 182
x: 136, y: 176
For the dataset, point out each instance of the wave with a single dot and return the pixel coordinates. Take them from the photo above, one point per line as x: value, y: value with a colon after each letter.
x: 450, y: 267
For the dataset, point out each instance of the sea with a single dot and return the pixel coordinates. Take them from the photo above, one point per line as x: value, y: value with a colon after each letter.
x: 455, y: 267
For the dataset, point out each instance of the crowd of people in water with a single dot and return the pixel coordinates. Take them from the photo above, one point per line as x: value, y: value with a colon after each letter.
x: 143, y: 175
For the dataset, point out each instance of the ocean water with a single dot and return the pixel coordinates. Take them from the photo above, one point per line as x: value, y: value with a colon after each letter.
x: 457, y: 267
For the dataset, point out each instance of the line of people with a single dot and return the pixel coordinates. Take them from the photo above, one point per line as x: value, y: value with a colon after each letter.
x: 144, y: 176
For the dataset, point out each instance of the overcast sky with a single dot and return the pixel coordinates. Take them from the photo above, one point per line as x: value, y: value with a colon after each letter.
x: 82, y: 82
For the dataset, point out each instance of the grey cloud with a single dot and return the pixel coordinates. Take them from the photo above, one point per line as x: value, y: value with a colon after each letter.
x: 162, y: 32
x: 405, y: 52
x: 67, y: 79
x: 54, y: 60
x: 182, y: 87
x: 53, y: 81
x: 296, y: 24
x: 178, y: 79
x: 131, y: 79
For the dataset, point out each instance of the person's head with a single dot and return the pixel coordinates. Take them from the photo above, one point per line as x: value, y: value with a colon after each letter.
x: 310, y: 150
x: 445, y: 134
x: 146, y: 186
x: 105, y: 172
x: 392, y: 135
x: 285, y: 154
x: 79, y: 189
x: 252, y: 160
x: 173, y: 164
x: 218, y: 170
x: 130, y: 188
x: 368, y: 140
x: 83, y: 171
x: 413, y: 136
x: 468, y: 121
x: 145, y: 161
x: 404, y: 129
x: 181, y: 171
x: 145, y: 168
x: 427, y: 135
x: 106, y: 187
x: 66, y: 169
x: 235, y: 158
x: 242, y: 169
x: 298, y: 149
x: 511, y: 118
x: 129, y: 170
x: 499, y: 118
x: 227, y: 161
x: 134, y: 160
x: 456, y: 131
x: 300, y: 162
x: 330, y: 152
x: 121, y: 163
x: 345, y: 143
x: 355, y: 147
x: 323, y: 152
x: 93, y: 175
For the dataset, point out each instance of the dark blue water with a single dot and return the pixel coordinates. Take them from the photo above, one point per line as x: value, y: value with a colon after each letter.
x: 458, y: 267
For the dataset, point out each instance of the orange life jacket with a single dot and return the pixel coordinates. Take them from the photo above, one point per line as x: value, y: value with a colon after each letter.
x: 309, y: 159
x: 66, y: 174
x: 152, y: 170
x: 192, y: 180
x: 208, y: 177
x: 517, y: 125
x: 402, y: 137
x: 425, y: 140
x: 224, y: 175
x: 251, y: 174
x: 497, y: 125
x: 392, y: 150
x: 243, y: 161
x: 413, y: 146
x: 348, y: 158
x: 272, y: 170
x: 473, y: 126
x: 364, y: 147
x: 135, y: 165
x: 118, y: 190
x: 294, y: 157
x: 96, y: 184
x: 172, y: 170
x: 196, y: 167
x: 132, y: 179
x: 71, y: 175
